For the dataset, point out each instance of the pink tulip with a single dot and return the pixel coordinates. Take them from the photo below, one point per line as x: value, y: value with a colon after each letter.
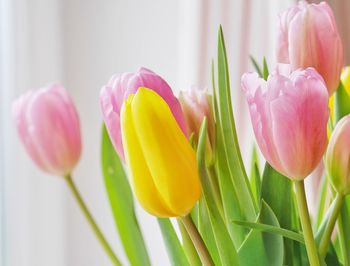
x: 48, y: 126
x: 338, y: 156
x: 308, y: 37
x: 289, y: 113
x: 195, y: 104
x: 117, y: 90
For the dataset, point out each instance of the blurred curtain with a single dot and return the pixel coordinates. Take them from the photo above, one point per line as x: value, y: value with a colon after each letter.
x: 81, y: 44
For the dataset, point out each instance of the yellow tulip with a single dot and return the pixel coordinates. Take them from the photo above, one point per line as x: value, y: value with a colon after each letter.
x: 345, y: 79
x: 160, y: 159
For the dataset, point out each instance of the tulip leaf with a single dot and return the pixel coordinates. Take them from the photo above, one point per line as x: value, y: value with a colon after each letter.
x: 254, y: 177
x: 256, y: 66
x: 121, y: 201
x: 273, y: 229
x: 322, y: 200
x: 273, y: 186
x: 206, y: 230
x: 265, y: 69
x: 172, y: 243
x: 231, y: 148
x: 226, y: 249
x: 344, y: 230
x: 342, y: 102
x: 229, y: 198
x: 262, y: 248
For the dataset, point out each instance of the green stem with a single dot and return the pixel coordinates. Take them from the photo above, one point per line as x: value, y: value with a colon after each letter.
x: 91, y: 221
x: 326, y: 237
x: 188, y: 246
x: 306, y: 224
x: 197, y: 240
x: 341, y: 236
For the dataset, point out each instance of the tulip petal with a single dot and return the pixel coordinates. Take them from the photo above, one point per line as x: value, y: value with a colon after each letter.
x: 143, y: 184
x: 169, y: 156
x: 297, y: 116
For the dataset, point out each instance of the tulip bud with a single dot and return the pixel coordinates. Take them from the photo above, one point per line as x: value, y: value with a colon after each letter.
x: 338, y: 156
x: 195, y: 104
x: 48, y: 126
x: 308, y: 37
x: 289, y: 114
x: 120, y: 87
x: 160, y: 159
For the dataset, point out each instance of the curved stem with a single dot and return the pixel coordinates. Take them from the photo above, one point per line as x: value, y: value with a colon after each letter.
x: 91, y: 221
x: 326, y: 237
x: 197, y: 240
x: 306, y: 224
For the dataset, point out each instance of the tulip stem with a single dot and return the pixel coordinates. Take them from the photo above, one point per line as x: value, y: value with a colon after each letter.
x: 197, y: 240
x: 306, y: 224
x: 106, y: 246
x: 326, y: 237
x: 341, y: 235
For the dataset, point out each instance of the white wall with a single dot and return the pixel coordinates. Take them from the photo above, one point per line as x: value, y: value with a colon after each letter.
x: 82, y: 43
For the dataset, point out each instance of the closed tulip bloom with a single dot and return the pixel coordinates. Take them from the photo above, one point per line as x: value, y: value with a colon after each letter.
x: 120, y: 87
x: 308, y: 37
x: 48, y: 126
x: 195, y: 104
x: 338, y: 156
x: 160, y: 159
x: 289, y: 113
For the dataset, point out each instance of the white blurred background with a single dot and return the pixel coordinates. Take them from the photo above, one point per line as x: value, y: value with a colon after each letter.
x: 80, y: 44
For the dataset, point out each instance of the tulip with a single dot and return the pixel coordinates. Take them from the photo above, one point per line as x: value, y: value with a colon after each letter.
x: 48, y: 126
x: 161, y: 161
x: 120, y: 87
x: 195, y: 104
x: 308, y: 37
x: 338, y: 156
x: 289, y: 113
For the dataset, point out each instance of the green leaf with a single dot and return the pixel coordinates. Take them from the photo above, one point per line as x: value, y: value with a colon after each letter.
x: 232, y: 210
x: 322, y: 196
x: 172, y: 243
x: 231, y: 148
x: 344, y: 230
x: 255, y: 178
x: 262, y: 248
x: 273, y: 229
x: 265, y: 69
x: 206, y: 230
x: 256, y: 66
x: 273, y: 186
x: 342, y: 102
x: 226, y: 249
x: 121, y: 200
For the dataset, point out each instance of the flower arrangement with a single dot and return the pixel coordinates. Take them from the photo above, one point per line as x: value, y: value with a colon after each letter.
x: 180, y: 156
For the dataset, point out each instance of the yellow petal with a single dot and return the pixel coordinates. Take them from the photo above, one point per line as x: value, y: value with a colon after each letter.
x: 142, y: 181
x: 168, y: 154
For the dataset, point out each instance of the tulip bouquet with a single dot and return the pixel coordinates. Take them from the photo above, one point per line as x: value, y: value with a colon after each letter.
x: 180, y: 156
